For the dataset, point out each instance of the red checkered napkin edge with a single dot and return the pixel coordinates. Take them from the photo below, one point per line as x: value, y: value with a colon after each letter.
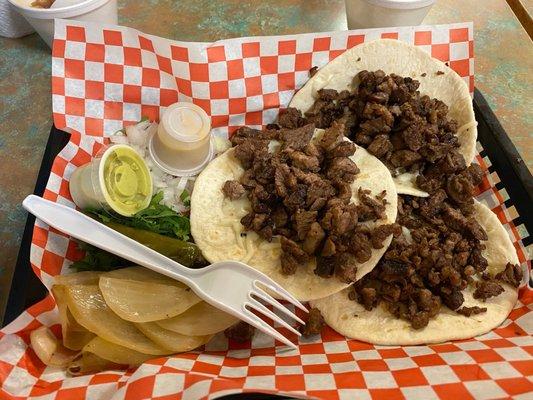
x: 106, y: 77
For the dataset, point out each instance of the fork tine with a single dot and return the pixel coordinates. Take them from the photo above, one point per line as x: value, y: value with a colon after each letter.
x: 258, y: 306
x: 276, y: 288
x: 254, y: 320
x: 274, y: 303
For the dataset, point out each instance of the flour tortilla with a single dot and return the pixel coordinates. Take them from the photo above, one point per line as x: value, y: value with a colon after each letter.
x: 380, y: 327
x: 393, y: 56
x: 216, y: 227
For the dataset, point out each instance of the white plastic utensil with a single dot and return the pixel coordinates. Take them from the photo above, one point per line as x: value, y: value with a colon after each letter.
x: 231, y: 286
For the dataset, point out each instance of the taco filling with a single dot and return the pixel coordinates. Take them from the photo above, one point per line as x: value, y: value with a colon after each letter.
x: 306, y: 206
x: 438, y: 256
x: 387, y: 115
x: 301, y: 192
x: 453, y: 272
x: 410, y: 113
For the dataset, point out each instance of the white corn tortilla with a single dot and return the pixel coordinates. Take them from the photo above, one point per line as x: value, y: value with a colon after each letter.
x: 393, y: 56
x: 216, y: 227
x: 378, y: 326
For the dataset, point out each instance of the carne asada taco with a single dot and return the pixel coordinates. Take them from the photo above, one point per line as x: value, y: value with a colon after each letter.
x: 308, y: 208
x: 403, y: 303
x: 405, y: 107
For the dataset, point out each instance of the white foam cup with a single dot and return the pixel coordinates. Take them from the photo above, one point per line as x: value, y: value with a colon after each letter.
x: 383, y: 13
x: 42, y: 19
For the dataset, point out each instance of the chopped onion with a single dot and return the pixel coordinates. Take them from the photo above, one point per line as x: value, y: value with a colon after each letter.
x: 49, y: 349
x: 119, y: 139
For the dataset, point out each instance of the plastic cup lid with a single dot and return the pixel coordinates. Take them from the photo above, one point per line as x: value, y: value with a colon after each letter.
x: 123, y: 179
x: 184, y: 123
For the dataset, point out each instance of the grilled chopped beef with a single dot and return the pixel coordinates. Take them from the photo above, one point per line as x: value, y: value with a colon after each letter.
x: 433, y: 265
x: 409, y: 132
x: 380, y: 146
x: 233, y: 190
x: 469, y: 311
x: 290, y: 118
x: 487, y: 289
x: 297, y: 138
x: 313, y: 239
x: 243, y: 133
x: 301, y: 191
x: 512, y: 274
x: 371, y: 208
x: 241, y: 332
x: 314, y: 324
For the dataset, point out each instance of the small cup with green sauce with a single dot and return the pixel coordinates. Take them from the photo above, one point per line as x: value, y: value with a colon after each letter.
x: 117, y: 179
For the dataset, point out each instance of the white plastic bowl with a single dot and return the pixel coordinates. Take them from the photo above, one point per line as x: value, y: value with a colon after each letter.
x: 383, y: 13
x: 42, y: 19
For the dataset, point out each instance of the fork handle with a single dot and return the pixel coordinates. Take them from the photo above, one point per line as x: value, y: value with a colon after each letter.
x: 82, y: 227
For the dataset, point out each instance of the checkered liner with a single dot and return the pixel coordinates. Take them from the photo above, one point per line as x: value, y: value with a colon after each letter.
x: 106, y: 77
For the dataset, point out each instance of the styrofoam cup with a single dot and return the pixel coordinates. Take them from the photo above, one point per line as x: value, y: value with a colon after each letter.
x: 42, y: 19
x: 383, y: 13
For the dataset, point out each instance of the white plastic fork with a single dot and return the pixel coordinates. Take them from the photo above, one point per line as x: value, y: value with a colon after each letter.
x: 231, y: 286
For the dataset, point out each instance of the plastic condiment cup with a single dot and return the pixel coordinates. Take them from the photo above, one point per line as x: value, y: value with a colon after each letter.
x: 182, y: 145
x: 42, y: 19
x: 383, y: 13
x: 117, y: 179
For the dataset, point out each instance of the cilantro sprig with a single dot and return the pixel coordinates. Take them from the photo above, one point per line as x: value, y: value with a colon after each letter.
x: 157, y: 218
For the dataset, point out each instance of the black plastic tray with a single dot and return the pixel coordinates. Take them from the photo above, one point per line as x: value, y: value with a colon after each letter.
x: 26, y: 289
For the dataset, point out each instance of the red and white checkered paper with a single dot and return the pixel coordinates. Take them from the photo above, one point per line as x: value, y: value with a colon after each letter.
x: 107, y: 77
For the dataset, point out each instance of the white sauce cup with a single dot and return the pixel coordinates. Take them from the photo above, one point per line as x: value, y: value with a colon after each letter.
x: 42, y: 19
x: 183, y: 144
x: 383, y: 13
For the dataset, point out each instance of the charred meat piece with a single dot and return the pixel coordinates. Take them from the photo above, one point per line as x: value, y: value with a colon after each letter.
x: 248, y: 150
x: 512, y: 274
x: 292, y: 256
x: 233, y: 190
x: 303, y: 221
x: 381, y: 146
x: 314, y: 324
x: 303, y: 161
x: 332, y: 136
x: 290, y: 118
x: 382, y: 232
x: 460, y: 188
x: 370, y: 208
x: 487, y: 289
x: 404, y: 158
x: 241, y: 332
x: 346, y: 267
x: 325, y: 266
x: 342, y: 149
x: 313, y: 239
x: 452, y: 298
x: 368, y: 297
x: 298, y: 138
x: 469, y: 311
x: 342, y: 169
x: 243, y: 133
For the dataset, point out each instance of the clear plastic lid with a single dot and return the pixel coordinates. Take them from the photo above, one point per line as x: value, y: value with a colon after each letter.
x: 182, y: 145
x: 121, y: 180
